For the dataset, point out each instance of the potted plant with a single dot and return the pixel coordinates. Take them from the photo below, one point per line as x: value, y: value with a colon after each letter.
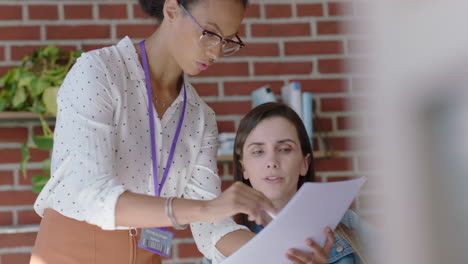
x: 33, y: 87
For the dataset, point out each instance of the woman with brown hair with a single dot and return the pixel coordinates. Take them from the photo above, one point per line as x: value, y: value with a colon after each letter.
x: 272, y: 154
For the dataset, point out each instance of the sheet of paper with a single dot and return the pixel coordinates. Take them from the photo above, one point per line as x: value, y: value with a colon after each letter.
x: 315, y: 206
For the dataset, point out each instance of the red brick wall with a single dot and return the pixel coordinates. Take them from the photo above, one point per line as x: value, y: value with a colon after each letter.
x: 286, y: 40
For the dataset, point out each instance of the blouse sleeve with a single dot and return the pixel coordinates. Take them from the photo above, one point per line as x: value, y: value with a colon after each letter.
x: 205, y: 184
x: 83, y: 185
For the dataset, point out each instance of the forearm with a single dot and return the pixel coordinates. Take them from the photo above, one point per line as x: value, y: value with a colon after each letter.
x: 138, y: 210
x: 231, y: 242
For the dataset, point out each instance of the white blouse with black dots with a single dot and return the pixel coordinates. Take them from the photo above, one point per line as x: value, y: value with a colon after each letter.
x: 102, y: 145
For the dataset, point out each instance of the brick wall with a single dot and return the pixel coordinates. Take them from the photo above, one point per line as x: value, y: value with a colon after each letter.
x: 302, y: 40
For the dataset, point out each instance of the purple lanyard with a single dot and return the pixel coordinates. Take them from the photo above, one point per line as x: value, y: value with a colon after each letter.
x: 158, y: 187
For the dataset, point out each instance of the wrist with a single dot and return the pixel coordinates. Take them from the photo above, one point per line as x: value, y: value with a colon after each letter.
x: 204, y: 210
x: 170, y: 214
x: 187, y: 211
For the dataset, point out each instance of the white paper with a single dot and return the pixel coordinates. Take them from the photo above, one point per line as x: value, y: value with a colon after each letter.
x: 314, y: 207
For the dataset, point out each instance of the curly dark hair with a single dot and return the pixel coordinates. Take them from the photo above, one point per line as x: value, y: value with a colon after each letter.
x: 154, y: 8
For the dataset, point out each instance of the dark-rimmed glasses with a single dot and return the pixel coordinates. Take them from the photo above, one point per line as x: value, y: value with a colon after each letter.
x: 211, y: 39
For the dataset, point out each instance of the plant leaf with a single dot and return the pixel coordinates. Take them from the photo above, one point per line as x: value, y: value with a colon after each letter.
x: 55, y: 72
x: 46, y: 166
x: 25, y: 156
x: 3, y: 103
x: 37, y: 188
x: 20, y: 97
x: 44, y: 142
x: 38, y: 182
x: 38, y: 85
x: 49, y: 98
x: 39, y: 179
x: 26, y: 78
x: 5, y: 78
x: 50, y: 50
x: 37, y: 107
x: 15, y: 74
x: 9, y: 91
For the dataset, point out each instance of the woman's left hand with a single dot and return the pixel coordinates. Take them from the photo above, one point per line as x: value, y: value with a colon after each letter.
x: 319, y: 255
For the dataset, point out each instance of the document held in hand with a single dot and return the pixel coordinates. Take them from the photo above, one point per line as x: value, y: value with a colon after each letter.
x: 315, y: 206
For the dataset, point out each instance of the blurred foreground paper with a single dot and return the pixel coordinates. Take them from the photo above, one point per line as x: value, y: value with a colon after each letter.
x: 315, y: 206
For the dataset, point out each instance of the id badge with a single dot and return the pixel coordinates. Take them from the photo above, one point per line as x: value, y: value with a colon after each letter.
x: 157, y: 240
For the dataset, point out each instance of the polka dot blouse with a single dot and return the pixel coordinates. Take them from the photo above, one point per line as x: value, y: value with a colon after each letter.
x: 102, y: 145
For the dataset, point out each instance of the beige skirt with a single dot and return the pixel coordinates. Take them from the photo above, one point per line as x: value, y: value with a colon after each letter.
x: 63, y: 240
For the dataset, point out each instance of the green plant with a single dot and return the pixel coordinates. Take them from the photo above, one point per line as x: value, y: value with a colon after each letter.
x: 44, y: 142
x: 33, y: 87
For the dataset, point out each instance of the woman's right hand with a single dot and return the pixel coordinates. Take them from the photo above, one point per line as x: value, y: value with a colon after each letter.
x: 240, y: 198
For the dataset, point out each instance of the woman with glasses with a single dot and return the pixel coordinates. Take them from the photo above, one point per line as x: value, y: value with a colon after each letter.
x: 135, y: 147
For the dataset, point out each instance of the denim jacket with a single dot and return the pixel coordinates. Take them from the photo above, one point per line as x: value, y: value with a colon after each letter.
x: 342, y: 252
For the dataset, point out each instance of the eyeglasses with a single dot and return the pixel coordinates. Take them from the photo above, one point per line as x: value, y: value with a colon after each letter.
x: 211, y: 39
